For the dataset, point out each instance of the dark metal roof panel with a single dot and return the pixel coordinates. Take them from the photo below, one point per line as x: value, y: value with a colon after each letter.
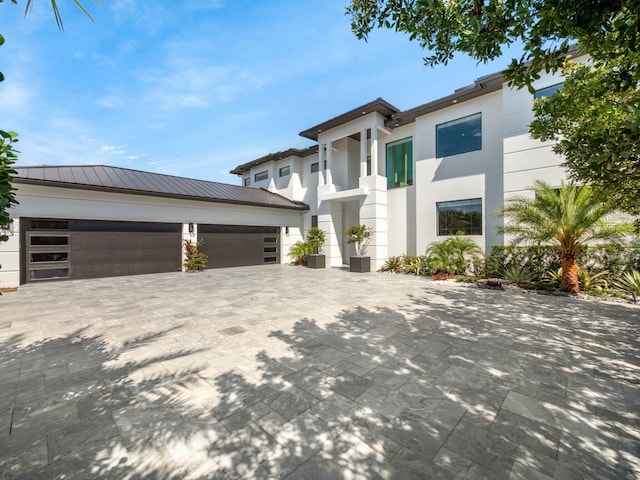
x: 124, y: 180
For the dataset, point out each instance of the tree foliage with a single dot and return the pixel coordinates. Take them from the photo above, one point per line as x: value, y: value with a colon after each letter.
x: 596, y: 121
x: 56, y: 10
x: 8, y: 157
x: 569, y: 218
x: 596, y: 127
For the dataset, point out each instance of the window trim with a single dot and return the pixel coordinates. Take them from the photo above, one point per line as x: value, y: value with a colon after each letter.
x: 450, y: 122
x: 264, y: 173
x: 481, y: 226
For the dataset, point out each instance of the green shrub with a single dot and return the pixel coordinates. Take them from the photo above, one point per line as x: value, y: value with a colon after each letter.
x: 518, y: 274
x: 453, y: 256
x: 300, y: 251
x: 629, y: 282
x: 541, y: 260
x: 194, y: 259
x: 595, y: 282
x: 415, y: 265
x: 392, y: 264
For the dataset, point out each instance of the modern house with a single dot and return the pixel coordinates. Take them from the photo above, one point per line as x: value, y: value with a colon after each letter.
x: 414, y: 177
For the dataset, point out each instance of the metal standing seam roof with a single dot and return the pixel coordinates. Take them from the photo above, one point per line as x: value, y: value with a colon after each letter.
x: 124, y: 180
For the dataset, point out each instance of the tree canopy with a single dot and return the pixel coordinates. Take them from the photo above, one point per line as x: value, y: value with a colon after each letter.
x: 595, y: 119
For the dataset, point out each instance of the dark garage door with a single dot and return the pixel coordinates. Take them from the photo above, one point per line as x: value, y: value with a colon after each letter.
x: 239, y: 245
x: 75, y: 249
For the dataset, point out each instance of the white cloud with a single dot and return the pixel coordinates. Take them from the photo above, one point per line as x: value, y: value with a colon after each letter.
x: 13, y: 97
x: 111, y: 101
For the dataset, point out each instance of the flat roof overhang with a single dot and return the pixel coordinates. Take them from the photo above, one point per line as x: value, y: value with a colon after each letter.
x: 378, y: 105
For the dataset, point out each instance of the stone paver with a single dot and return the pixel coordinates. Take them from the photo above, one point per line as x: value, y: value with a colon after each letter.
x: 292, y: 373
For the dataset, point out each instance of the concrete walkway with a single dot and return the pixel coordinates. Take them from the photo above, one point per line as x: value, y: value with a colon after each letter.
x: 287, y: 372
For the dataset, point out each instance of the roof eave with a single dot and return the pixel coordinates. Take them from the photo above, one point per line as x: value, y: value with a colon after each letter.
x: 378, y: 105
x: 291, y: 152
x: 482, y: 86
x: 76, y: 186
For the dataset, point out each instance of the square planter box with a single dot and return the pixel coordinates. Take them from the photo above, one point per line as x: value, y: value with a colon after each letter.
x: 315, y: 261
x: 360, y: 264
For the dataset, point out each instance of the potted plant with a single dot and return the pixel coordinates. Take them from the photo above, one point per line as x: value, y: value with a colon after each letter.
x: 315, y: 239
x: 358, y: 235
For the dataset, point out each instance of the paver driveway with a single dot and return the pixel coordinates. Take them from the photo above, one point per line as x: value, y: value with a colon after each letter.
x: 287, y: 372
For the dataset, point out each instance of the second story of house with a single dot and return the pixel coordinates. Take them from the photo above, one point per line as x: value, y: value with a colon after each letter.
x: 480, y: 129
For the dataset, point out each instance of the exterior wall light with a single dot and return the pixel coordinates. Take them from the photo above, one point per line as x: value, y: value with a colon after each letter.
x: 191, y: 228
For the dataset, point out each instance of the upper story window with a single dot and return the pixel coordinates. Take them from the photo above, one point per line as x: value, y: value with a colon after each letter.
x: 547, y: 91
x: 247, y: 182
x: 284, y: 171
x: 459, y: 136
x: 261, y: 176
x: 314, y: 220
x: 460, y: 217
x: 400, y: 163
x: 315, y: 167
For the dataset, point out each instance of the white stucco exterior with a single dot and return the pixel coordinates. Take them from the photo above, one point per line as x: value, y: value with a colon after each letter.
x: 37, y: 201
x: 405, y: 219
x: 344, y: 180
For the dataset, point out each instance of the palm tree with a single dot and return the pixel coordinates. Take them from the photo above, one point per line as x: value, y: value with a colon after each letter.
x: 56, y: 12
x: 568, y: 218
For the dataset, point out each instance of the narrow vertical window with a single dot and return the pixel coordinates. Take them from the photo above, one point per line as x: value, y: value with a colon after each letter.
x: 400, y: 163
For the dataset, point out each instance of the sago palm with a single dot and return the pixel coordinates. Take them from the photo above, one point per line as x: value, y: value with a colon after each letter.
x: 568, y: 218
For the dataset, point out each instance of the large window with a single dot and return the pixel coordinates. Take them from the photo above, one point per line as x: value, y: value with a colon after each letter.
x: 261, y: 176
x: 459, y: 136
x: 461, y: 217
x: 284, y: 171
x: 400, y: 163
x: 548, y: 91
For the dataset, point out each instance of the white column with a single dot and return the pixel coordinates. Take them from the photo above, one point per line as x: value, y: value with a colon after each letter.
x: 320, y: 164
x: 374, y: 151
x: 187, y: 235
x: 363, y: 152
x: 373, y: 214
x: 328, y: 176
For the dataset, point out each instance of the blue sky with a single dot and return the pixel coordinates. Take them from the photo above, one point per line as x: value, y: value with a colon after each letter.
x: 196, y: 87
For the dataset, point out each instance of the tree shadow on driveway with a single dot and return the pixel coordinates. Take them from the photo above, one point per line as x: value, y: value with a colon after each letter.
x: 457, y: 383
